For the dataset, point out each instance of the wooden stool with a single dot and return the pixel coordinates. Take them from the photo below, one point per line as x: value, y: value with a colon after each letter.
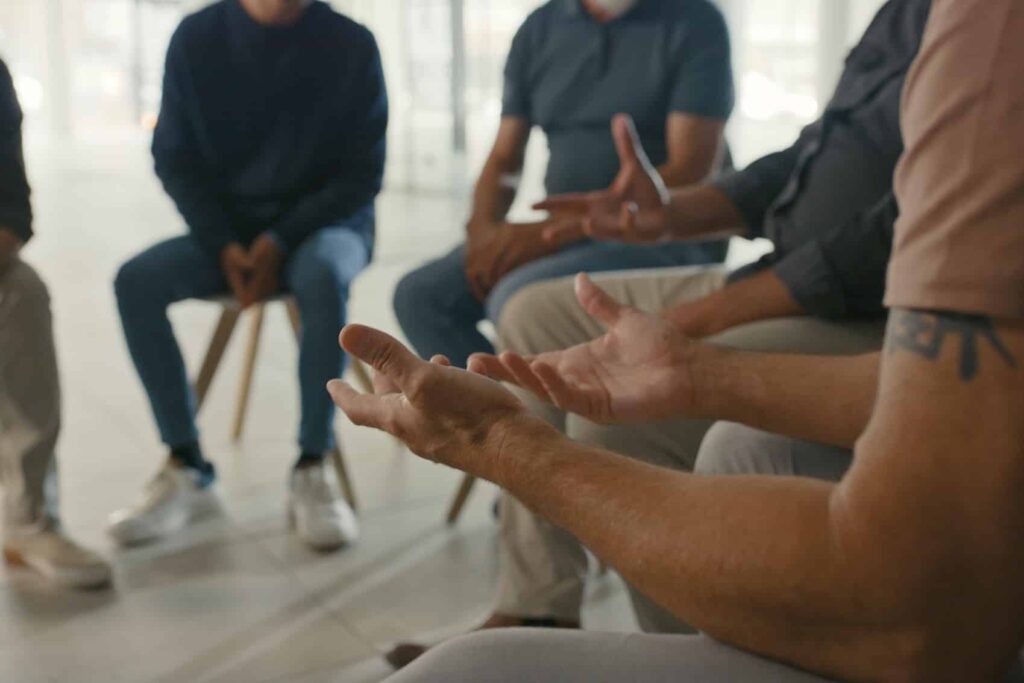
x: 231, y: 312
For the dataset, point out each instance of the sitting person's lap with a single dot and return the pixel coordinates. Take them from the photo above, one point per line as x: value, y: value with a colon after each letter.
x: 516, y: 655
x: 438, y: 311
x: 179, y: 268
x: 543, y: 568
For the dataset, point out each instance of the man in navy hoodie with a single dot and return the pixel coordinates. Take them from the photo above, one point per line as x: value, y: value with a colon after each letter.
x: 271, y: 142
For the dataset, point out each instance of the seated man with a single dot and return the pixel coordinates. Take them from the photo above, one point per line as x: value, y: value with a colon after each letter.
x: 819, y: 292
x: 908, y: 569
x: 271, y: 143
x: 29, y: 389
x: 573, y: 64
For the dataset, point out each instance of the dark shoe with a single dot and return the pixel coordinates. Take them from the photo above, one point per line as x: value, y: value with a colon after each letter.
x: 404, y: 654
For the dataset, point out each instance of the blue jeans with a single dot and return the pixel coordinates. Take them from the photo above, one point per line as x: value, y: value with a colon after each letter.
x: 439, y: 314
x: 318, y: 274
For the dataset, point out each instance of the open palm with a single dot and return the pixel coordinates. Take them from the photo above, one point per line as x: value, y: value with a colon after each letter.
x: 636, y: 372
x: 631, y: 209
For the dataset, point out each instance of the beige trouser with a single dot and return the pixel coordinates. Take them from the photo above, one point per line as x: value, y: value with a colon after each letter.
x: 543, y: 568
x: 29, y: 398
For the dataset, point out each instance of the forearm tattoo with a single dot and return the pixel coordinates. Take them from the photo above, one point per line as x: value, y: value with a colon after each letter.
x: 926, y: 332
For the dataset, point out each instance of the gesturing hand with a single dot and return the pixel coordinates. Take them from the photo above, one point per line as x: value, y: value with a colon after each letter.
x: 639, y: 371
x: 494, y: 251
x: 632, y: 209
x: 442, y: 413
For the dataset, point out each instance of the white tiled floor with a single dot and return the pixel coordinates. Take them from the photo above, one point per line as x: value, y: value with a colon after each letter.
x: 236, y: 598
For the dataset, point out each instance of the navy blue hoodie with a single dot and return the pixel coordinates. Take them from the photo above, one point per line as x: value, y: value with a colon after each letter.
x: 278, y: 129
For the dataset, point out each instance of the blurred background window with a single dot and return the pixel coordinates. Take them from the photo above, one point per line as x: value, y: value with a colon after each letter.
x: 91, y: 70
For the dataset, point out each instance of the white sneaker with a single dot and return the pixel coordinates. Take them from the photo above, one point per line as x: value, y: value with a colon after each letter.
x: 317, y: 512
x: 174, y: 499
x: 57, y: 558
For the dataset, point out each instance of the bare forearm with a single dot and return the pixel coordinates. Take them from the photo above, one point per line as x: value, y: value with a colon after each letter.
x: 827, y: 399
x: 703, y: 212
x: 760, y: 297
x: 695, y: 146
x: 736, y: 557
x: 494, y: 193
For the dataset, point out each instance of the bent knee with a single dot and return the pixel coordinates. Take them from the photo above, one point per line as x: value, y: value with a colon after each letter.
x: 429, y: 292
x: 318, y: 278
x: 132, y: 278
x: 530, y: 317
x: 467, y: 657
x: 734, y: 449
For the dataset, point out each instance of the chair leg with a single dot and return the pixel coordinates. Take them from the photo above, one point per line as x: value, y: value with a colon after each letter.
x: 347, y: 490
x: 215, y: 352
x: 248, y: 367
x: 294, y: 318
x: 461, y: 496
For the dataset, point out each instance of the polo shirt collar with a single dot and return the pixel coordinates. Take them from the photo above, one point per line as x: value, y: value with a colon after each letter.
x: 572, y: 7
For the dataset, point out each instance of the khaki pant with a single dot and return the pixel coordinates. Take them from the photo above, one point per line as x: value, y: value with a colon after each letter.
x: 29, y: 398
x: 543, y: 568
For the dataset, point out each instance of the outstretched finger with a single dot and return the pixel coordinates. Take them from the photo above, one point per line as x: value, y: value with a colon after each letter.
x: 383, y: 352
x: 365, y: 410
x: 596, y: 302
x: 489, y: 366
x: 523, y: 375
x: 627, y: 140
x: 570, y: 203
x: 561, y: 394
x: 441, y: 359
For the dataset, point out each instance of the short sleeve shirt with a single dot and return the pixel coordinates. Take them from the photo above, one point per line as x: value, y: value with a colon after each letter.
x: 570, y: 74
x: 959, y: 242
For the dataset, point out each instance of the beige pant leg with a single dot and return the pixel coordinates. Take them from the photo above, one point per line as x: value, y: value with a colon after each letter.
x: 543, y: 568
x: 29, y: 396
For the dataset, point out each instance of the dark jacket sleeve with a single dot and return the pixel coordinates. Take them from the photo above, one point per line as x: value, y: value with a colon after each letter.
x: 755, y: 188
x: 843, y: 274
x: 178, y: 157
x: 15, y: 209
x: 359, y: 174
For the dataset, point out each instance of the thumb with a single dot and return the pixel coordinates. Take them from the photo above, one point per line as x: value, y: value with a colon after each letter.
x: 381, y: 351
x: 627, y: 141
x: 596, y: 302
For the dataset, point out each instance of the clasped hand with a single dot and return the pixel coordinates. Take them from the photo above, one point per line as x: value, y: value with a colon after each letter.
x: 253, y: 273
x: 493, y: 251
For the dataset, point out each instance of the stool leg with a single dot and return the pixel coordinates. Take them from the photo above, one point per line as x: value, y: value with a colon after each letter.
x: 248, y: 367
x: 347, y: 490
x: 461, y: 496
x: 215, y: 352
x: 294, y: 318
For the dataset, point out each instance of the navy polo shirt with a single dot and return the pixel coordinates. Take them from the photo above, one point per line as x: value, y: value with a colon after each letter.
x: 570, y: 74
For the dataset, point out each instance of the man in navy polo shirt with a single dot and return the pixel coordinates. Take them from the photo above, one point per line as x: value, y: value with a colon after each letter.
x: 573, y: 65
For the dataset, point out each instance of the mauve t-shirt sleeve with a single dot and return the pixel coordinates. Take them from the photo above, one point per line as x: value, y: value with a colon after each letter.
x: 959, y: 242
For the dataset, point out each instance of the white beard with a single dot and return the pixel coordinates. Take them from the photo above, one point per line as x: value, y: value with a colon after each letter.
x: 615, y: 7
